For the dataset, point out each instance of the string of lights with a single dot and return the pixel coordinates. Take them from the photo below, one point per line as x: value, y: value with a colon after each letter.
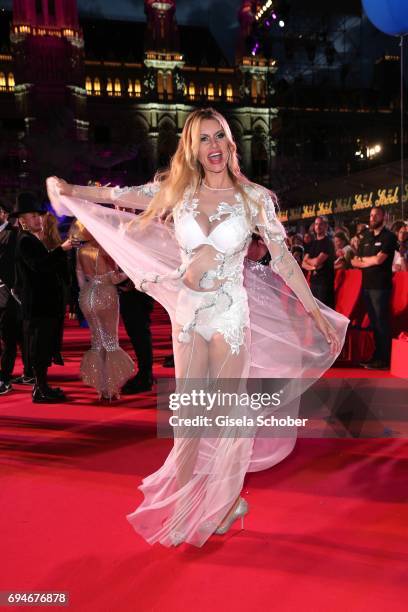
x: 268, y: 14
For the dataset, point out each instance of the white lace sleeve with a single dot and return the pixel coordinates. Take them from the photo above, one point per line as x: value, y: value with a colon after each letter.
x: 137, y: 198
x: 282, y: 260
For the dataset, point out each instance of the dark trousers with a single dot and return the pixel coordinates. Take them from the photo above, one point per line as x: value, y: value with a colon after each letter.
x: 378, y: 307
x: 324, y: 293
x: 135, y: 308
x: 11, y: 335
x: 41, y: 336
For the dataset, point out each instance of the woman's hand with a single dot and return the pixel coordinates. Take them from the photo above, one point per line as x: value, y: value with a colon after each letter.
x: 164, y: 216
x: 118, y: 277
x: 327, y: 330
x: 62, y: 187
x: 68, y: 244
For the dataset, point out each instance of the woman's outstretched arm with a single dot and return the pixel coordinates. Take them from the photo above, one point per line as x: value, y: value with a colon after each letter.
x: 136, y: 198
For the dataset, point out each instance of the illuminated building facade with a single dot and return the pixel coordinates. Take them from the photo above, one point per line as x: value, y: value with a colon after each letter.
x: 117, y: 93
x: 89, y: 98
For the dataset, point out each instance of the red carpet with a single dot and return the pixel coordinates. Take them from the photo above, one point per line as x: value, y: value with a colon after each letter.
x: 327, y: 528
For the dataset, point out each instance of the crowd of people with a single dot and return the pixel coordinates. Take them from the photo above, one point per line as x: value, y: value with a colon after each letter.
x: 42, y: 275
x: 375, y: 249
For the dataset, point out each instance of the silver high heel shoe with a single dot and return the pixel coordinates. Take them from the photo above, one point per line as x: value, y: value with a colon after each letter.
x: 240, y: 511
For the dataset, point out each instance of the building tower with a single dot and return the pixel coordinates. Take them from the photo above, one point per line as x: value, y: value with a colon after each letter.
x: 162, y: 57
x: 246, y: 18
x: 256, y: 89
x: 162, y: 31
x: 163, y: 78
x: 48, y: 50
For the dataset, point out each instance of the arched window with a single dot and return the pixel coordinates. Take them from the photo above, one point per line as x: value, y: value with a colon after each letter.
x: 38, y: 7
x: 230, y: 93
x: 168, y: 83
x: 138, y: 88
x: 11, y: 81
x: 88, y: 85
x: 109, y: 87
x: 118, y: 88
x: 130, y: 88
x: 51, y: 8
x: 211, y: 91
x: 220, y: 90
x: 191, y: 91
x: 97, y: 87
x: 2, y: 80
x: 254, y: 87
x: 160, y: 85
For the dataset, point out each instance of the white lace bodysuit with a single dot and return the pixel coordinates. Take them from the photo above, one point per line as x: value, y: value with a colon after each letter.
x: 213, y: 229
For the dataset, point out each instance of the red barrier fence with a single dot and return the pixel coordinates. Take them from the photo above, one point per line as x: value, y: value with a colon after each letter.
x: 349, y: 301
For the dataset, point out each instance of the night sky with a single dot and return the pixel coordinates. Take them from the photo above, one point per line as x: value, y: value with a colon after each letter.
x: 221, y: 16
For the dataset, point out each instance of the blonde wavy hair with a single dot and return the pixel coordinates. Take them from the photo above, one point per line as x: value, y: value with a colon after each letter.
x: 50, y: 233
x: 78, y: 231
x: 186, y: 172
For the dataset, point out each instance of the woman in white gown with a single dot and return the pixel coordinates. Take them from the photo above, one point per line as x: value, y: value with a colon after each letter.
x: 229, y: 324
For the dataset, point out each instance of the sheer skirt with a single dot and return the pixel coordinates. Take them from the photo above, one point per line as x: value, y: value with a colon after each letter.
x: 188, y: 497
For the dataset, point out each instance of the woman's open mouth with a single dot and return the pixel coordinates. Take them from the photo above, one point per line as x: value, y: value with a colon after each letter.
x: 215, y: 158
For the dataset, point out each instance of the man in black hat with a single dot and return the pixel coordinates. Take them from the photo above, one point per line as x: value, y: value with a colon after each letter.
x: 39, y: 273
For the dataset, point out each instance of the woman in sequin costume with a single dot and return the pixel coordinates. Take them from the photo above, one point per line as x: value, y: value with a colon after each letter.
x: 105, y: 366
x: 231, y: 322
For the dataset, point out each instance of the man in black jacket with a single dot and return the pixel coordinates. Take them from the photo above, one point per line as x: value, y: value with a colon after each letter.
x: 11, y: 326
x: 39, y: 273
x: 8, y: 331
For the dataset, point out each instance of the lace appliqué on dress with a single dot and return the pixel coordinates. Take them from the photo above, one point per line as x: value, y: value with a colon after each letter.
x: 149, y: 190
x: 274, y: 234
x: 188, y: 205
x: 224, y: 208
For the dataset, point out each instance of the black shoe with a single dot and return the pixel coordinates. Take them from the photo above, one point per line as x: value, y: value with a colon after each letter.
x: 168, y: 361
x: 23, y: 380
x: 44, y: 397
x: 377, y: 365
x: 364, y: 363
x: 57, y: 392
x: 58, y: 359
x: 138, y: 384
x: 5, y: 387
